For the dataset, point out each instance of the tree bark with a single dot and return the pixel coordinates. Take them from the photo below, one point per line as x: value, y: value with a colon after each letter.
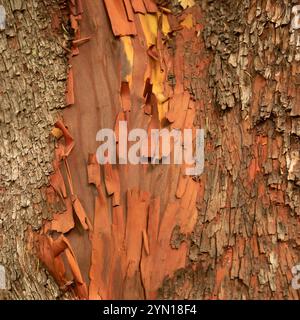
x: 32, y: 90
x: 73, y: 228
x: 246, y: 240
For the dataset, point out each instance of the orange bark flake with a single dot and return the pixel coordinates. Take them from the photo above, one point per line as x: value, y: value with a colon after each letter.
x: 126, y: 219
x: 118, y: 17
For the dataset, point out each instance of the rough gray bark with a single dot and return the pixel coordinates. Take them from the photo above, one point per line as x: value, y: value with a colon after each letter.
x: 247, y: 239
x: 32, y: 89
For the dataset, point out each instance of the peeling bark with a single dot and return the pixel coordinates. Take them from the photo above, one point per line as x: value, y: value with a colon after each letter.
x: 140, y: 232
x: 32, y: 91
x: 247, y: 237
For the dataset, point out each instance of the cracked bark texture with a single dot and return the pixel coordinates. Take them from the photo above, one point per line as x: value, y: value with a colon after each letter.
x: 32, y: 90
x: 247, y: 236
x: 242, y: 68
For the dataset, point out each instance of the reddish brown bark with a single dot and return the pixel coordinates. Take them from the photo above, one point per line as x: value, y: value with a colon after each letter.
x: 150, y: 231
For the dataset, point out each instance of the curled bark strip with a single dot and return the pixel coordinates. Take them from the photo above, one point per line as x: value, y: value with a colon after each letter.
x: 118, y: 17
x: 138, y: 6
x: 50, y: 252
x: 69, y: 141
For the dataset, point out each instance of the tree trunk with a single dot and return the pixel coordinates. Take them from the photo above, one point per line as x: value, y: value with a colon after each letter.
x: 32, y: 91
x: 71, y: 228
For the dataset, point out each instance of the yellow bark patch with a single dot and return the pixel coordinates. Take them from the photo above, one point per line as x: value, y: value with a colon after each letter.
x: 150, y: 26
x: 165, y: 24
x: 127, y: 45
x: 57, y: 133
x: 188, y: 21
x: 186, y: 3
